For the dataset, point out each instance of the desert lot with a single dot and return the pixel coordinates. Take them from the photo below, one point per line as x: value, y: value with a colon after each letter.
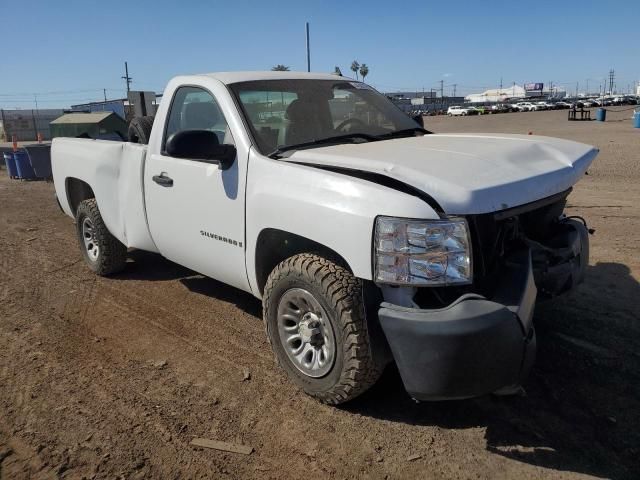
x: 112, y: 378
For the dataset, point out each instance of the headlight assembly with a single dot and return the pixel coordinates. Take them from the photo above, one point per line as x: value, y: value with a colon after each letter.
x: 422, y: 252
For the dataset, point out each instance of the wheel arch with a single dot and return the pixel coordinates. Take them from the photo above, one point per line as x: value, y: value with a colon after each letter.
x: 77, y: 190
x: 274, y: 245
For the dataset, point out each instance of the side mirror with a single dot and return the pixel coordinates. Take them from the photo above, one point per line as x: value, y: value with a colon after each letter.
x: 419, y: 120
x: 201, y: 145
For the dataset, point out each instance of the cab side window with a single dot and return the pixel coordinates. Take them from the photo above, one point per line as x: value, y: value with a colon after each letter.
x: 194, y: 108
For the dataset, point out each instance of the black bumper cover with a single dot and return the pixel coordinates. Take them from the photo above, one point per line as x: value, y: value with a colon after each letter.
x: 472, y: 347
x: 475, y: 345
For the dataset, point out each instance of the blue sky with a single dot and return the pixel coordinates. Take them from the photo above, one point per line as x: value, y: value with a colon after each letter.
x: 67, y: 51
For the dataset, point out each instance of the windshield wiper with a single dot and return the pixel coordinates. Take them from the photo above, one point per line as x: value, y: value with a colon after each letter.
x: 323, y: 141
x: 407, y: 132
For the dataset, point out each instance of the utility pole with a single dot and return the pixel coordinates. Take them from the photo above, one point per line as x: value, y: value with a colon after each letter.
x: 308, y: 48
x: 35, y: 121
x: 612, y: 75
x: 104, y: 90
x: 442, y: 89
x: 454, y: 89
x: 126, y: 77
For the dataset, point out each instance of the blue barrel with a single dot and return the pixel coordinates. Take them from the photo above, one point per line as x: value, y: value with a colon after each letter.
x: 11, y: 165
x: 601, y: 115
x: 636, y: 119
x: 23, y: 165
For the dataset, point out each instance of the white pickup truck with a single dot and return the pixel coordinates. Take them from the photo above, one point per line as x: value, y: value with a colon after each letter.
x: 368, y: 239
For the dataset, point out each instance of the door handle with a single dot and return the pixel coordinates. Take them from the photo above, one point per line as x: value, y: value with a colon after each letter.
x: 163, y: 180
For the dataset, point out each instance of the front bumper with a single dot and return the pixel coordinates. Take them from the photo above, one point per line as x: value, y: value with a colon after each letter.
x: 473, y: 346
x: 477, y: 345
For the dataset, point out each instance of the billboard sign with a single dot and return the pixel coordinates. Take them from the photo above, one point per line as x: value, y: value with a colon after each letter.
x: 530, y: 87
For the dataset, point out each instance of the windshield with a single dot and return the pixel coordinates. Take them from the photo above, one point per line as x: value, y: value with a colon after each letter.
x: 284, y: 113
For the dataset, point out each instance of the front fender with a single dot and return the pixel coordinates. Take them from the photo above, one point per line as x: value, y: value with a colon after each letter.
x: 333, y: 209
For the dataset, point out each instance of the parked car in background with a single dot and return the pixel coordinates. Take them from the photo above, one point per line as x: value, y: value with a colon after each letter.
x: 500, y: 108
x: 457, y: 110
x: 562, y: 104
x: 524, y: 106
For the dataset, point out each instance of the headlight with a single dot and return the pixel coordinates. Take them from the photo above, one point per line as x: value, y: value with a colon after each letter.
x: 422, y: 252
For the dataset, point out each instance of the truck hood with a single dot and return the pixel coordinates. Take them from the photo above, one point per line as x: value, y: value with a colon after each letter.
x: 466, y: 173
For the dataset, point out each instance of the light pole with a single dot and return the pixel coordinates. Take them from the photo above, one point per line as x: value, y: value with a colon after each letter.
x: 308, y: 48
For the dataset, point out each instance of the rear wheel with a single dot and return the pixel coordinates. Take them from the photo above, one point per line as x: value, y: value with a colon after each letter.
x: 103, y: 253
x: 315, y: 321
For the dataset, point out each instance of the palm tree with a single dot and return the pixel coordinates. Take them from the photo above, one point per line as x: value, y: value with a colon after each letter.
x: 337, y: 71
x: 280, y: 68
x: 364, y: 71
x: 355, y: 66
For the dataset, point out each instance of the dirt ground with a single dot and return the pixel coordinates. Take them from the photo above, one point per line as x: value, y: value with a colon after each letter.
x: 112, y: 378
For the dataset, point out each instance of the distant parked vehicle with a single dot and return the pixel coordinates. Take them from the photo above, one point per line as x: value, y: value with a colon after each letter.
x: 456, y: 110
x: 500, y: 108
x: 525, y: 106
x: 563, y: 104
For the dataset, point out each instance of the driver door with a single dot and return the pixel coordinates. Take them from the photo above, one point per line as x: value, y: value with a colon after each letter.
x: 195, y: 210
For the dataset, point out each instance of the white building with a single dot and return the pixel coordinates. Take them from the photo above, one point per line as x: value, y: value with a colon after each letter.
x: 497, y: 95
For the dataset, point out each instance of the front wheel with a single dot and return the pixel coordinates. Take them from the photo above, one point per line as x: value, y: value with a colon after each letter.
x: 103, y: 252
x: 315, y: 321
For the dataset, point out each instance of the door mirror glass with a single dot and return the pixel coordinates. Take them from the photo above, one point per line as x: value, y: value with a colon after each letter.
x: 201, y: 145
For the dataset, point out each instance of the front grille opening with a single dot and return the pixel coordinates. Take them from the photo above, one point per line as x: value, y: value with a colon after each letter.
x: 494, y: 236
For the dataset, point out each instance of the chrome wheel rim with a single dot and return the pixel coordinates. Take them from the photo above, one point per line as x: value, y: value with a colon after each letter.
x: 89, y: 238
x: 305, y: 332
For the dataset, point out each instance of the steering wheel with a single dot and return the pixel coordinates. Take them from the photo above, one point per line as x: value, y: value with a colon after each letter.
x: 351, y: 122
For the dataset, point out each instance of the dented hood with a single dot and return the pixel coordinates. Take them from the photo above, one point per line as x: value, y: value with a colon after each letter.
x: 466, y: 173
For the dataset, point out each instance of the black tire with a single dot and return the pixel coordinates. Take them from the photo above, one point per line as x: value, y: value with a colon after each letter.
x: 140, y: 129
x: 111, y: 253
x: 356, y: 367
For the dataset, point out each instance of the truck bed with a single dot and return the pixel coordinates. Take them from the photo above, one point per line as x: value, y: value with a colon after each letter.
x: 114, y: 170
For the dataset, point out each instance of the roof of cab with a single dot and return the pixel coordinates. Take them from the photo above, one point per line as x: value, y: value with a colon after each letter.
x: 235, y: 77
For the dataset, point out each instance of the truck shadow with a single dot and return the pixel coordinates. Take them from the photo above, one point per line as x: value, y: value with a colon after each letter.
x: 581, y: 411
x: 148, y: 266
